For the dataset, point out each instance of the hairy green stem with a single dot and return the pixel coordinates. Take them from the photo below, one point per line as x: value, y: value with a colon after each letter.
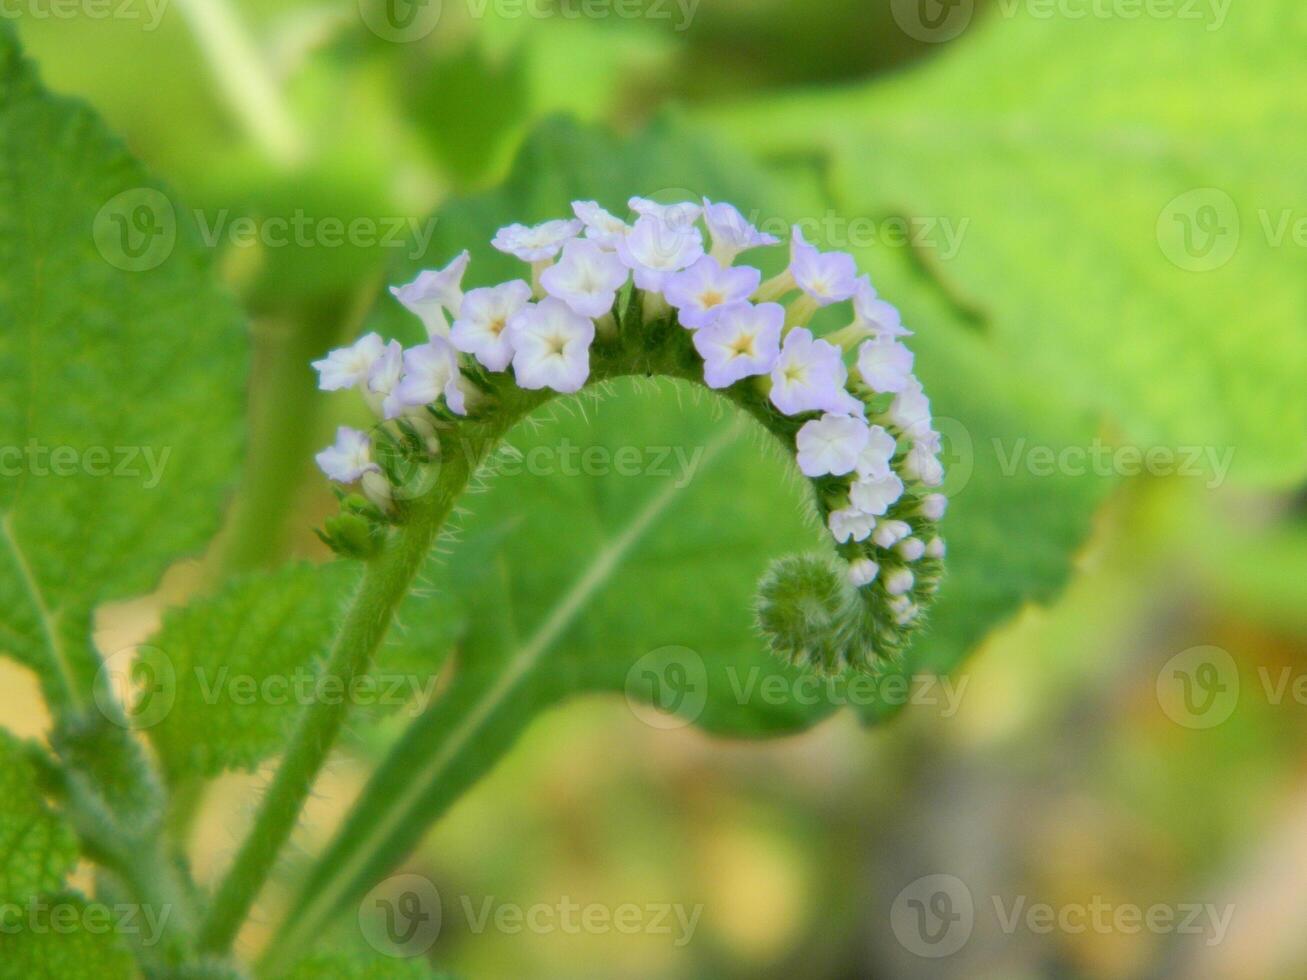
x: 386, y: 581
x: 384, y: 584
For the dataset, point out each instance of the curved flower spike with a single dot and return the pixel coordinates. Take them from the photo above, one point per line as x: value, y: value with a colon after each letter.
x: 868, y: 450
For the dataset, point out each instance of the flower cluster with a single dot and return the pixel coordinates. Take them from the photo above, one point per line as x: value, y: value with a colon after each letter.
x: 857, y: 418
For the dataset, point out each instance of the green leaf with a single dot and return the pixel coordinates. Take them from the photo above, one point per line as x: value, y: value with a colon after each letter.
x: 37, y: 848
x: 119, y: 398
x: 65, y: 938
x: 641, y: 581
x: 1079, y: 152
x: 245, y: 659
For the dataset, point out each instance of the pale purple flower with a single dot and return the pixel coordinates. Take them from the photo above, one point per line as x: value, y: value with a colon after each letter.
x: 434, y: 292
x: 536, y: 243
x: 700, y: 292
x: 586, y: 278
x: 430, y: 372
x: 862, y: 571
x: 911, y: 549
x: 826, y: 277
x: 679, y: 215
x: 551, y: 346
x: 350, y: 367
x: 910, y: 410
x: 885, y: 364
x: 890, y: 533
x: 348, y: 458
x: 654, y: 249
x: 481, y: 328
x: 744, y: 340
x: 732, y: 233
x: 876, y: 496
x: 874, y: 460
x: 850, y: 523
x: 934, y: 506
x: 935, y: 548
x: 384, y: 378
x: 831, y: 445
x: 923, y: 465
x: 873, y: 314
x: 809, y: 376
x: 601, y: 227
x: 903, y: 608
x: 899, y: 582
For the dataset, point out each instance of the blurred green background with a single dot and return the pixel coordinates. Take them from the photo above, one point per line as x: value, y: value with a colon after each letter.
x: 1093, y: 159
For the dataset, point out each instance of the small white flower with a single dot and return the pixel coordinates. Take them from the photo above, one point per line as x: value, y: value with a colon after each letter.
x: 911, y: 549
x: 890, y: 533
x: 809, y: 376
x: 862, y: 571
x: 899, y: 581
x: 551, y: 346
x: 875, y: 496
x: 681, y: 214
x: 536, y: 243
x: 874, y: 460
x: 434, y: 292
x: 850, y: 523
x: 933, y: 506
x: 827, y: 277
x: 481, y: 328
x: 744, y: 340
x: 874, y: 315
x: 923, y: 465
x: 935, y: 548
x: 384, y: 378
x: 601, y: 227
x: 349, y: 458
x: 586, y: 278
x: 430, y: 371
x: 831, y: 444
x: 700, y: 292
x: 910, y: 410
x: 376, y: 488
x: 350, y: 367
x: 904, y: 609
x: 655, y: 249
x: 885, y: 364
x: 732, y: 233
